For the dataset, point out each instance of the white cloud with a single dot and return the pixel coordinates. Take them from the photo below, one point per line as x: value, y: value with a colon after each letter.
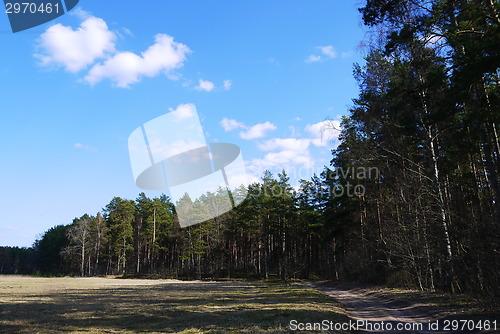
x: 289, y: 144
x: 285, y: 159
x: 231, y: 124
x: 258, y: 131
x: 80, y: 13
x: 84, y: 147
x: 292, y: 154
x: 205, y: 85
x: 313, y: 59
x: 76, y: 49
x: 125, y: 68
x: 246, y: 178
x: 283, y: 153
x: 227, y: 84
x: 184, y: 111
x: 128, y: 32
x: 323, y: 132
x: 328, y: 51
x: 174, y: 76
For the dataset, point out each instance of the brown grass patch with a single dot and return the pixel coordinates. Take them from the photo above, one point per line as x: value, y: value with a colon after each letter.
x: 106, y: 305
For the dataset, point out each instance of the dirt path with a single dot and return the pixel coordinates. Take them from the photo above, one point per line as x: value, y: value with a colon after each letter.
x: 378, y: 313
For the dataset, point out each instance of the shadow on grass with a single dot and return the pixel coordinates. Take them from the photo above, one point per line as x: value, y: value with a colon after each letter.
x: 211, y: 307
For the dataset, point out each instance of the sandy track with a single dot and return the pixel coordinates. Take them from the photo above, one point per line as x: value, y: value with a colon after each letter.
x: 377, y: 309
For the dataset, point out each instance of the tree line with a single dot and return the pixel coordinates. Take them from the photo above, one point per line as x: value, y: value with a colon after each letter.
x: 276, y: 231
x: 411, y: 198
x: 428, y: 117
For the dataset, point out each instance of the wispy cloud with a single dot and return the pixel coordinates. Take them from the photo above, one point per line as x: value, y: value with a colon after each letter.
x: 273, y: 61
x: 324, y: 132
x: 293, y: 131
x: 231, y: 124
x: 326, y: 51
x: 257, y: 131
x: 85, y: 147
x: 294, y: 153
x: 313, y: 59
x: 184, y: 111
x: 227, y: 84
x: 205, y: 85
x: 282, y: 153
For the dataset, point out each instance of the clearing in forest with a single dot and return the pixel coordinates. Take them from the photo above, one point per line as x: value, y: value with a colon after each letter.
x: 110, y: 305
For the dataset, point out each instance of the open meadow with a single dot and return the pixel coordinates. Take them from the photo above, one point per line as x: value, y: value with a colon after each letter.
x: 110, y: 305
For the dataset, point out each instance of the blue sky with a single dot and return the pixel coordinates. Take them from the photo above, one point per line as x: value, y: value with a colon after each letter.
x: 264, y: 75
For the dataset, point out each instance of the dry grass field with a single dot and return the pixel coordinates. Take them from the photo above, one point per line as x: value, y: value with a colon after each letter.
x: 110, y: 305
